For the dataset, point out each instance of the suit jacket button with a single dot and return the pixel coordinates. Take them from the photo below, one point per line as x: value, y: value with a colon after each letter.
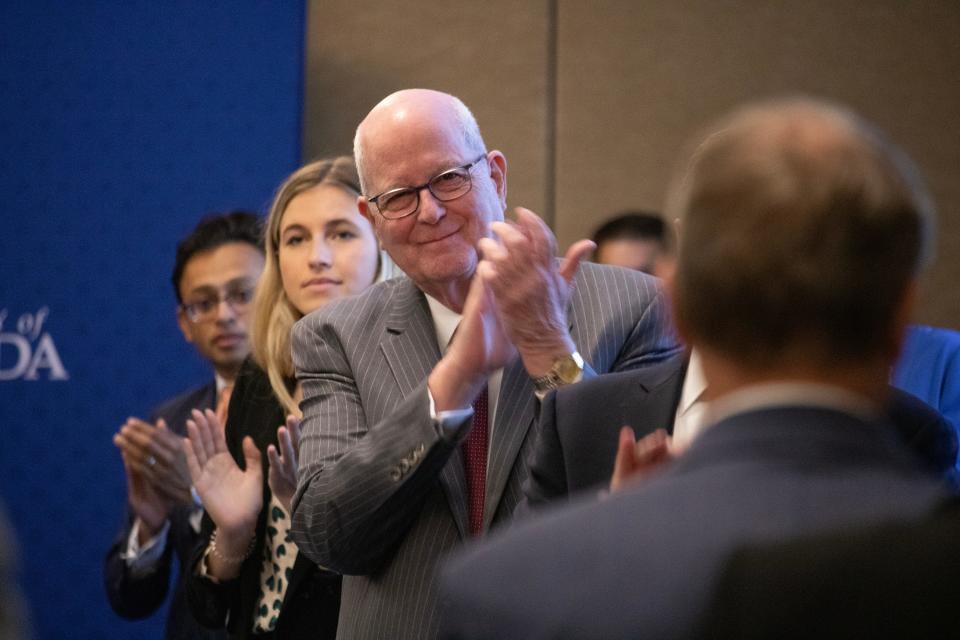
x: 404, y: 466
x: 395, y: 474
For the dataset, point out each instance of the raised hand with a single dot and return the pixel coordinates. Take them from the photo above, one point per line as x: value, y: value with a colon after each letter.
x: 231, y: 496
x: 479, y: 347
x: 282, y: 476
x: 155, y: 454
x: 639, y: 459
x: 529, y: 289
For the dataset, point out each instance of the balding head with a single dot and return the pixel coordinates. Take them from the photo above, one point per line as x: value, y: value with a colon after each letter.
x: 410, y: 110
x: 407, y: 141
x: 801, y: 231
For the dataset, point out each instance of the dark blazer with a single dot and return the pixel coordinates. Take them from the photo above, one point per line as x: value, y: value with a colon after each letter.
x: 886, y: 581
x: 579, y: 428
x: 382, y: 494
x: 139, y: 597
x: 643, y: 562
x: 312, y: 600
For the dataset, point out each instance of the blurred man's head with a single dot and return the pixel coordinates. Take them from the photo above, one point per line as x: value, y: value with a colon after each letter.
x: 801, y: 233
x: 635, y: 240
x: 215, y: 273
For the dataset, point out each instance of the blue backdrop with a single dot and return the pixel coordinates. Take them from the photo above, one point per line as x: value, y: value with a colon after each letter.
x: 121, y: 123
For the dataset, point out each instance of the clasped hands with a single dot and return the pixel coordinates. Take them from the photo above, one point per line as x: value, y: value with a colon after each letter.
x: 517, y: 304
x: 156, y: 470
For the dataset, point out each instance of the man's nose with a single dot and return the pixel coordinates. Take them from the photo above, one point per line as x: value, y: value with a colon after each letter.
x: 225, y: 311
x: 431, y: 210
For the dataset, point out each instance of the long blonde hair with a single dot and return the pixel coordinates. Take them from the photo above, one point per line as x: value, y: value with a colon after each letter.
x: 273, y: 313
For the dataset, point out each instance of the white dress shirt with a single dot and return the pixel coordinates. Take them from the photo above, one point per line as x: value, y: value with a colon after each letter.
x: 692, y: 409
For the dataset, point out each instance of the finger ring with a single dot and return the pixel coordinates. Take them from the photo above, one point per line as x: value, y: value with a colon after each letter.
x: 151, y: 461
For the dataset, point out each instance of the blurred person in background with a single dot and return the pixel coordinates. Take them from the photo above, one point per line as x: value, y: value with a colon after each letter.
x: 214, y: 275
x: 635, y: 240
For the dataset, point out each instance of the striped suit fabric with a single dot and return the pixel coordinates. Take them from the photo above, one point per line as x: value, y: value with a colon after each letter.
x: 382, y: 495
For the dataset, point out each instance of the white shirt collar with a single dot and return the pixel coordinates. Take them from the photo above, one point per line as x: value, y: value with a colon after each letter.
x: 220, y: 381
x: 778, y: 394
x: 694, y: 384
x: 445, y: 321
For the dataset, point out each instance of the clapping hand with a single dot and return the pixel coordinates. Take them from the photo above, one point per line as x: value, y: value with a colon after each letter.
x: 529, y: 289
x: 282, y: 476
x: 639, y: 459
x: 154, y: 453
x: 156, y: 470
x: 231, y: 496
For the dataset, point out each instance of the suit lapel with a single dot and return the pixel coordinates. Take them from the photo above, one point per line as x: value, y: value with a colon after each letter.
x: 410, y: 343
x: 516, y: 411
x: 411, y: 351
x: 516, y: 408
x: 662, y: 391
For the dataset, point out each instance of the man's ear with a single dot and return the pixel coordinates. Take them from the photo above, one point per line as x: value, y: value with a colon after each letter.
x: 679, y: 322
x: 364, y: 207
x: 186, y: 327
x: 498, y: 173
x: 902, y: 318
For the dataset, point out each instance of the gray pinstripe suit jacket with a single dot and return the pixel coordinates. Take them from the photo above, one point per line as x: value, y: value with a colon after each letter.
x: 382, y: 493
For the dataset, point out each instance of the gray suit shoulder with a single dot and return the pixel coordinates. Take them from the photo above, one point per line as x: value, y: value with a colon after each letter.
x: 373, y: 303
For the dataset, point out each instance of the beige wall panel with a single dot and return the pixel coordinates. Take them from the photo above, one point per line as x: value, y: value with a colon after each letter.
x: 635, y: 79
x: 491, y: 54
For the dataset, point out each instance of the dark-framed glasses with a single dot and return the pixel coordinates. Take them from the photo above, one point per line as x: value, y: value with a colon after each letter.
x: 205, y: 308
x: 445, y: 186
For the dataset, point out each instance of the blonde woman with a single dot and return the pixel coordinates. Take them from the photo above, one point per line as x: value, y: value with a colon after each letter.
x: 248, y: 576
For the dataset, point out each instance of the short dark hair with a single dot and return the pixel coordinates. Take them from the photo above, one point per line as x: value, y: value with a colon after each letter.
x: 801, y: 228
x: 213, y: 231
x: 632, y: 225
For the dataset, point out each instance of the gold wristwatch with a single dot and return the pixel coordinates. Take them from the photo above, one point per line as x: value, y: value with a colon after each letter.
x: 565, y: 370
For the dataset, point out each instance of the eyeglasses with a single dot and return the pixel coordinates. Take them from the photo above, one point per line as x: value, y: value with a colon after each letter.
x: 205, y: 309
x: 446, y: 186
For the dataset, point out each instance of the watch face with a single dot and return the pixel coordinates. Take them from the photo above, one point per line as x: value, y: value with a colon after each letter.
x: 568, y: 369
x: 565, y: 370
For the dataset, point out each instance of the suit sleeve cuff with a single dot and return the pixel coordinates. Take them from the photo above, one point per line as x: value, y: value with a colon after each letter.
x: 450, y: 423
x: 143, y: 560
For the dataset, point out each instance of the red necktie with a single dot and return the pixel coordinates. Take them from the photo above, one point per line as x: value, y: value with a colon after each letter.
x: 475, y: 462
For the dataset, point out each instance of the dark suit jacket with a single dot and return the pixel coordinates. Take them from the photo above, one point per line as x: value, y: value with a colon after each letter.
x: 579, y: 428
x: 139, y: 597
x: 312, y: 600
x: 643, y: 562
x: 887, y: 581
x: 382, y: 493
